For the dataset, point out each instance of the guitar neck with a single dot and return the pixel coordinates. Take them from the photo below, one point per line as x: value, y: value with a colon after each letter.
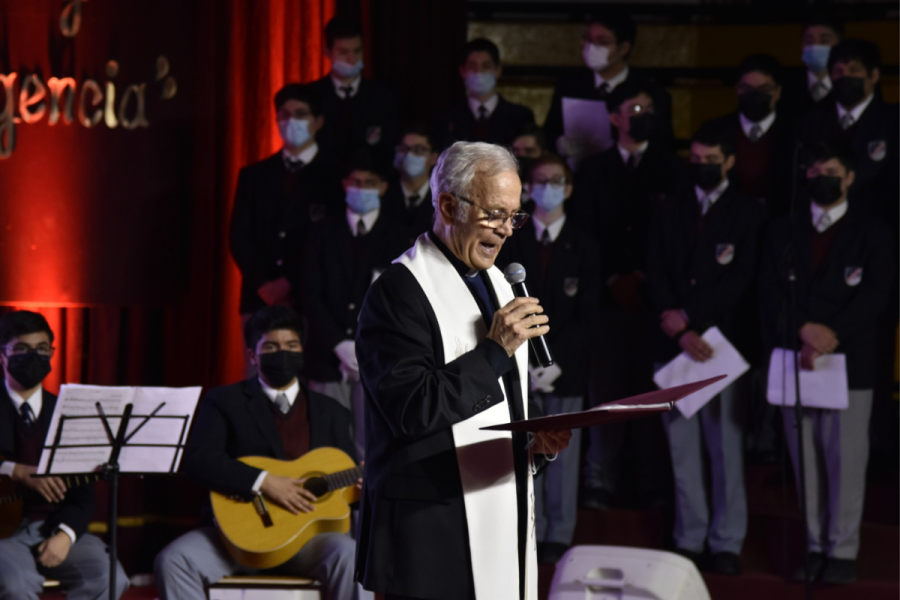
x: 70, y: 482
x: 343, y: 479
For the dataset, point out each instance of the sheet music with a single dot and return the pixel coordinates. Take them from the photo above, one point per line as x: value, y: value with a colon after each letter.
x: 80, y: 400
x: 824, y: 387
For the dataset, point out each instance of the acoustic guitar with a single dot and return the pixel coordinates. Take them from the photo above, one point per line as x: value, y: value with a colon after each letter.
x: 262, y: 535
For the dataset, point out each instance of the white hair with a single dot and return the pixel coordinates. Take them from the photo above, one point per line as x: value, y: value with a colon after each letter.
x: 458, y: 165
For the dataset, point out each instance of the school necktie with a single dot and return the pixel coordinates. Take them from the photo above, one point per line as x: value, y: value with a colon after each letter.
x: 348, y: 91
x: 755, y: 132
x: 482, y: 113
x: 603, y: 91
x: 847, y: 121
x: 824, y: 222
x: 704, y: 205
x: 282, y: 403
x: 361, y: 228
x: 413, y: 201
x: 818, y: 91
x: 293, y: 165
x: 631, y: 163
x: 27, y: 414
x: 545, y: 238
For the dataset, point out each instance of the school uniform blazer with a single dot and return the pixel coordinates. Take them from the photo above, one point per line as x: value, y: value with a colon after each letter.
x: 848, y: 294
x: 706, y: 273
x: 77, y: 507
x: 570, y: 295
x: 458, y: 123
x: 417, y: 220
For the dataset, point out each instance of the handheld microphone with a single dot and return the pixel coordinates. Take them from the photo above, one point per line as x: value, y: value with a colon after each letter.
x: 515, y: 276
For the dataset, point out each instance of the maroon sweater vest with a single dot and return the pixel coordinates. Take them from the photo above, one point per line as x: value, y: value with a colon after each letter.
x: 293, y: 427
x: 753, y: 167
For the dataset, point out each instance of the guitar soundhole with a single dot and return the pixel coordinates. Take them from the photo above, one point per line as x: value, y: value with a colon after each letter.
x: 316, y: 485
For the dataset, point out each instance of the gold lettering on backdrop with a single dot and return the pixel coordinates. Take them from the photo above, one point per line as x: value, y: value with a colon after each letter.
x: 70, y: 18
x: 58, y: 87
x: 32, y: 94
x: 109, y: 112
x: 92, y: 87
x: 169, y: 85
x: 140, y: 118
x: 7, y: 117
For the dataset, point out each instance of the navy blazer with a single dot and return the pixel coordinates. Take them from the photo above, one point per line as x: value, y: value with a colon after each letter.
x: 458, y: 123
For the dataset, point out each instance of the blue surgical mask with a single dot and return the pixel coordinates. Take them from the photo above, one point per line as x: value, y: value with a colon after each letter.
x: 345, y: 69
x: 411, y: 165
x: 362, y: 200
x: 816, y: 57
x: 548, y: 195
x: 294, y: 132
x: 481, y: 84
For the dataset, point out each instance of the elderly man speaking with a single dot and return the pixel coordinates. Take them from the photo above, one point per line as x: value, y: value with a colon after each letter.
x: 447, y: 509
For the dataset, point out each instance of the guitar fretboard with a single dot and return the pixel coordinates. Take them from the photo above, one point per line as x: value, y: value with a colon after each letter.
x: 343, y: 479
x: 70, y: 481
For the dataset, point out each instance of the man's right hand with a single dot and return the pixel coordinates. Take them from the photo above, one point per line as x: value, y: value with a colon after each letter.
x: 288, y: 493
x: 808, y: 356
x: 672, y: 322
x: 695, y: 346
x: 51, y: 488
x: 513, y: 323
x: 822, y: 338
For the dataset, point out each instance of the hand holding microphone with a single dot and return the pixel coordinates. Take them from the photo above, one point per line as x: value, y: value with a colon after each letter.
x: 518, y: 321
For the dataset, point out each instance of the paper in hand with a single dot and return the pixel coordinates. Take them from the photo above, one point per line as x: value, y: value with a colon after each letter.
x: 589, y: 121
x: 823, y: 387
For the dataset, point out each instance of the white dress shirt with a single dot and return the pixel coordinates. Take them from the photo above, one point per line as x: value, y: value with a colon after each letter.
x: 552, y: 229
x: 368, y: 219
x: 812, y: 80
x: 612, y: 82
x: 764, y: 125
x: 306, y: 156
x: 713, y: 195
x: 353, y: 85
x: 421, y: 193
x: 490, y: 105
x: 857, y: 110
x: 271, y: 394
x: 834, y: 215
x: 638, y: 154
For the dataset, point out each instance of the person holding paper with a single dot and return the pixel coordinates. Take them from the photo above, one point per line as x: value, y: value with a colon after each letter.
x: 51, y: 541
x: 276, y: 415
x: 446, y: 508
x: 700, y: 265
x: 562, y: 265
x: 606, y: 45
x: 845, y: 267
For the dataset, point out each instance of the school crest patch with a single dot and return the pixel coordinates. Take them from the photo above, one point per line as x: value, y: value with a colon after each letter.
x: 877, y: 150
x: 570, y: 286
x: 724, y: 253
x: 373, y: 135
x: 853, y: 275
x: 376, y: 273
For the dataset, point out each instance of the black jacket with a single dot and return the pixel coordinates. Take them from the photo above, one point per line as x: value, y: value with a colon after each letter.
x: 828, y: 296
x: 570, y: 295
x: 582, y: 86
x: 235, y: 420
x: 77, y: 507
x: 458, y: 123
x: 369, y: 121
x: 333, y: 291
x: 418, y: 219
x: 874, y: 140
x: 268, y: 231
x: 706, y: 274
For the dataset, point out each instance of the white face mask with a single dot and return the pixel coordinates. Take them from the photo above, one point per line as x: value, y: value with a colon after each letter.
x: 595, y: 57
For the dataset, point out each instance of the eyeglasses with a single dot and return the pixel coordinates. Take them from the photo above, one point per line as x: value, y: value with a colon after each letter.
x: 19, y: 349
x: 498, y: 218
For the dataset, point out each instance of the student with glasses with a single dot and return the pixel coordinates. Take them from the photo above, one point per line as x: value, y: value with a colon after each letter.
x: 409, y: 194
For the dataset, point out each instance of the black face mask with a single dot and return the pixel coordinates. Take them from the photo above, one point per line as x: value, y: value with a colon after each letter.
x: 849, y: 91
x: 28, y: 369
x: 706, y: 176
x: 824, y: 190
x: 755, y: 105
x: 641, y: 127
x: 279, y: 368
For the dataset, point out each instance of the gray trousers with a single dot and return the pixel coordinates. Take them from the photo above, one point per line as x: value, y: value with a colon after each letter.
x: 836, y: 452
x: 556, y: 490
x: 186, y: 566
x: 350, y: 396
x: 719, y: 424
x: 84, y: 573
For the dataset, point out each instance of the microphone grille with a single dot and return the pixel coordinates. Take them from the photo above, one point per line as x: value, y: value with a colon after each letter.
x: 514, y: 273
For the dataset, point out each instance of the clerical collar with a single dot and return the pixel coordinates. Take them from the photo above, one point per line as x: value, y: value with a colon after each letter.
x: 461, y: 267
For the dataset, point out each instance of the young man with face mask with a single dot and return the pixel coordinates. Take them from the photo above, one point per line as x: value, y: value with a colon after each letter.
x: 614, y: 194
x: 858, y: 115
x: 606, y: 45
x: 762, y: 134
x: 276, y: 202
x: 485, y: 115
x: 700, y: 266
x: 562, y: 264
x: 345, y: 255
x: 358, y: 112
x: 275, y: 415
x: 845, y: 268
x: 811, y: 88
x: 409, y: 195
x: 52, y: 540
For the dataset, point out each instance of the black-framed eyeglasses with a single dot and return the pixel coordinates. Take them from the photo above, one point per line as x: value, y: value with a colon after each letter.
x: 497, y: 218
x: 18, y: 349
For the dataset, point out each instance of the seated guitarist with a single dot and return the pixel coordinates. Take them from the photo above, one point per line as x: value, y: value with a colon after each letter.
x: 50, y: 540
x: 273, y: 415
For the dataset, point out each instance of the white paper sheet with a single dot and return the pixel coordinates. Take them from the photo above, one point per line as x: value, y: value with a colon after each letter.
x: 589, y: 121
x: 79, y: 400
x: 824, y: 387
x: 683, y: 369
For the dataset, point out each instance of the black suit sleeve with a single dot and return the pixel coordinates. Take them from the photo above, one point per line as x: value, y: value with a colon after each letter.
x: 241, y: 234
x: 395, y: 344
x: 75, y: 511
x: 315, y: 307
x: 659, y: 285
x: 206, y: 458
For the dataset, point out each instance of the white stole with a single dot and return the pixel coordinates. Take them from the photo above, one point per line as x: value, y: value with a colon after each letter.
x: 485, y: 458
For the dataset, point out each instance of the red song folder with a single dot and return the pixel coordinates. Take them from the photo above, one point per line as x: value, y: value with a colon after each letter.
x: 619, y: 410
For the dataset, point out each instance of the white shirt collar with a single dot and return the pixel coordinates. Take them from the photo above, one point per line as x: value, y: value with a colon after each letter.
x: 353, y: 85
x: 857, y: 110
x: 490, y: 104
x: 638, y: 154
x: 714, y: 195
x: 812, y: 80
x: 306, y: 156
x: 368, y: 219
x: 36, y: 402
x: 834, y: 214
x: 553, y: 228
x: 613, y: 82
x: 765, y: 124
x: 421, y: 193
x: 272, y: 393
